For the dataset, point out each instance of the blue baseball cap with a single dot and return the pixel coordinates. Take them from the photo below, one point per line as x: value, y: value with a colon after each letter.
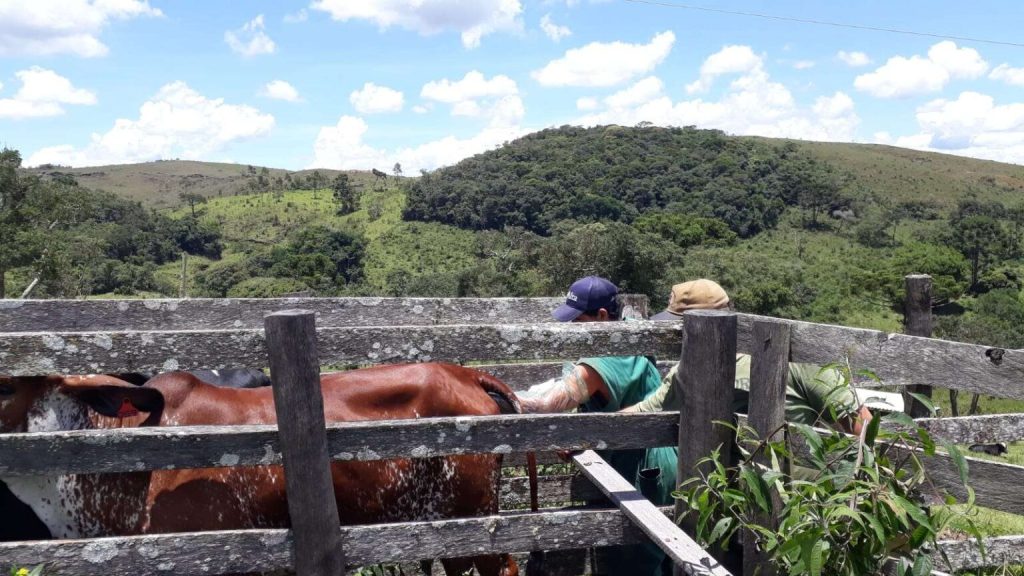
x: 587, y: 295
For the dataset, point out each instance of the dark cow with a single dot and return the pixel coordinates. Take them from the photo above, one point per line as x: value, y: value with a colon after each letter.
x: 227, y: 377
x: 253, y: 497
x: 993, y: 449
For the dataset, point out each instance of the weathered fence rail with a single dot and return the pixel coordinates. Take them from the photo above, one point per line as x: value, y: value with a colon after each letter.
x: 103, y: 336
x: 897, y: 359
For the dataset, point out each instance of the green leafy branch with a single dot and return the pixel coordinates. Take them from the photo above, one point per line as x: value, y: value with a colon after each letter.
x: 849, y: 506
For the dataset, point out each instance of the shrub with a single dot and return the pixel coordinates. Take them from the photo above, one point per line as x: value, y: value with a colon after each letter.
x: 263, y: 287
x: 853, y: 506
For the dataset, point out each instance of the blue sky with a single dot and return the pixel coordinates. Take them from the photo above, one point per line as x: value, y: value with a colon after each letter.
x: 357, y: 84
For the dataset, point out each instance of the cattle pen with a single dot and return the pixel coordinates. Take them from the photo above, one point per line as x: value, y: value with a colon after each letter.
x: 77, y: 337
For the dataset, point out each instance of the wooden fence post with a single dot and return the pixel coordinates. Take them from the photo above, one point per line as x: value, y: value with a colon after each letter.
x: 633, y: 306
x: 917, y: 318
x: 769, y: 375
x: 298, y: 401
x: 707, y: 377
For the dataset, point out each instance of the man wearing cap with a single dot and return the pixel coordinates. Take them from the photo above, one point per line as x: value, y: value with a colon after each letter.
x: 608, y: 384
x: 809, y: 392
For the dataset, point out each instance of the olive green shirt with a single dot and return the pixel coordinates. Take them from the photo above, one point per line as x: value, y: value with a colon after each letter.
x: 809, y: 391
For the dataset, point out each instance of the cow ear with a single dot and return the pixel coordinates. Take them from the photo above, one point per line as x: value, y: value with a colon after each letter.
x: 111, y: 396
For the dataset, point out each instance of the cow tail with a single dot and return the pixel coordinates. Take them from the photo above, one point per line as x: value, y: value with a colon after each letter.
x: 506, y: 399
x: 502, y: 395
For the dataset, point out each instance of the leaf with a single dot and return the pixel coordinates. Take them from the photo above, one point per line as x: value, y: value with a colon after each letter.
x: 922, y: 566
x: 814, y: 558
x: 813, y: 440
x: 958, y: 459
x: 914, y: 511
x: 926, y: 440
x: 902, y: 419
x: 872, y: 431
x: 721, y: 529
x: 876, y: 525
x: 925, y: 401
x: 758, y: 488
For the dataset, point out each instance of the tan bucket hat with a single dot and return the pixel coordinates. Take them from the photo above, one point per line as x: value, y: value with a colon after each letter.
x: 700, y: 294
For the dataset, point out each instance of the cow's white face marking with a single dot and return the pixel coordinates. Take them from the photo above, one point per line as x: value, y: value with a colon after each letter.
x: 56, y: 500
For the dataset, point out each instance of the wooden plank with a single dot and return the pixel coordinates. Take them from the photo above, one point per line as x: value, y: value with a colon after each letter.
x: 552, y: 491
x: 299, y: 404
x: 130, y: 449
x: 706, y: 384
x: 769, y: 376
x: 917, y: 317
x: 227, y: 313
x: 267, y: 550
x: 27, y: 354
x: 904, y: 360
x: 976, y: 429
x: 964, y: 554
x: 685, y: 553
x: 996, y: 485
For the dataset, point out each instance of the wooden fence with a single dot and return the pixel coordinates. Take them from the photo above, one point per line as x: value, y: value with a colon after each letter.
x: 122, y: 336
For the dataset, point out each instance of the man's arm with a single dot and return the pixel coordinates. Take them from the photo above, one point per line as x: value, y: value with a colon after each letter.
x: 657, y: 400
x: 570, y: 392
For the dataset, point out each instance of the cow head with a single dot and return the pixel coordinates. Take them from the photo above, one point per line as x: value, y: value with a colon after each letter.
x: 51, y: 403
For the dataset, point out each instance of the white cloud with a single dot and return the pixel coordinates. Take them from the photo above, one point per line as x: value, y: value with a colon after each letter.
x: 803, y: 64
x: 552, y: 30
x: 1012, y: 76
x: 472, y: 86
x: 280, y: 90
x: 605, y: 64
x: 643, y: 91
x: 177, y: 122
x: 373, y: 99
x: 342, y: 146
x: 473, y: 20
x: 961, y: 63
x: 41, y: 94
x: 421, y: 108
x: 300, y: 16
x: 63, y: 26
x: 901, y: 77
x: 753, y: 104
x: 474, y: 95
x: 854, y: 59
x: 728, y: 60
x: 251, y: 39
x: 972, y: 125
x: 587, y: 104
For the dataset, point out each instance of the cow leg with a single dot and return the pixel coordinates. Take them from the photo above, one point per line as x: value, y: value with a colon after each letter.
x: 496, y: 565
x: 457, y: 566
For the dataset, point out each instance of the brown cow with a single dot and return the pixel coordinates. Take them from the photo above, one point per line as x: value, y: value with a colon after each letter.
x: 89, y: 505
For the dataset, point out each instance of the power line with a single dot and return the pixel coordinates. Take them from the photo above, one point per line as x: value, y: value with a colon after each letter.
x: 824, y: 22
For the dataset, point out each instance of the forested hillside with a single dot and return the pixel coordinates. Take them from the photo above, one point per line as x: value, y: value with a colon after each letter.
x: 806, y: 230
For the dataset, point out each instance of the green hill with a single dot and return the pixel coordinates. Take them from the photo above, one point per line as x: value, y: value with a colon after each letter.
x: 902, y: 174
x: 158, y: 184
x: 645, y: 206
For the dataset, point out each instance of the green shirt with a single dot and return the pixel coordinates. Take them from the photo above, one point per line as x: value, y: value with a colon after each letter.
x: 629, y: 379
x: 808, y: 391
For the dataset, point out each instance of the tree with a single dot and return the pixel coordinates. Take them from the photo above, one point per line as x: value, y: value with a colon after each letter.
x: 344, y: 194
x: 983, y: 241
x: 397, y: 170
x: 192, y: 199
x: 19, y: 241
x: 316, y: 181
